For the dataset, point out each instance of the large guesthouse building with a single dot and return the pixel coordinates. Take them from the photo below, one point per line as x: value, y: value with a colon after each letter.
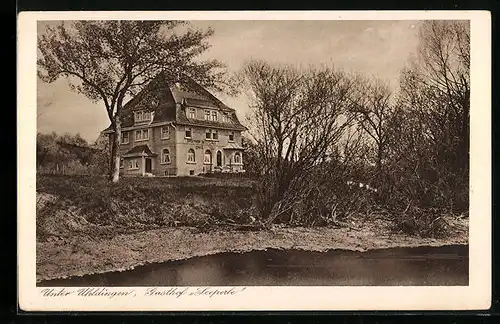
x: 178, y: 129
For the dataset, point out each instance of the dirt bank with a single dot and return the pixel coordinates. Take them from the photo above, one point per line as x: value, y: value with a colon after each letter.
x: 85, y: 225
x: 84, y: 255
x: 90, y: 206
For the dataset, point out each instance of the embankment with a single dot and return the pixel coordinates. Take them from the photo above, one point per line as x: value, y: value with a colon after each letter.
x: 85, y: 225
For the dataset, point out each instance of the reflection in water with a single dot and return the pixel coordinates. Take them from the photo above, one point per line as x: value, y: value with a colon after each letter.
x: 388, y: 267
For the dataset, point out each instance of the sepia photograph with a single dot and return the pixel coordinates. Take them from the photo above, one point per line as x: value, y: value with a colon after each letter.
x: 251, y: 153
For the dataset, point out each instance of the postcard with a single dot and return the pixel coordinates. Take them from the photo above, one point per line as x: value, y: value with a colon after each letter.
x: 257, y: 160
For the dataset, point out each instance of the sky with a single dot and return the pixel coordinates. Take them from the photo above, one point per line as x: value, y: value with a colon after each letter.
x: 378, y: 48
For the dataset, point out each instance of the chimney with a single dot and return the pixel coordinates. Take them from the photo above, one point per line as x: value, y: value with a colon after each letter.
x: 178, y: 83
x: 152, y: 117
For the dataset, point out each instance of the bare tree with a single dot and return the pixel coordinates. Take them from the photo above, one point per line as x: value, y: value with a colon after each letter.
x: 108, y: 61
x: 373, y: 107
x: 430, y: 144
x: 437, y: 85
x: 297, y: 116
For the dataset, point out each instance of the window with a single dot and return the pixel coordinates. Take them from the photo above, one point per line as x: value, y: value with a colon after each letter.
x: 192, y: 113
x: 191, y: 157
x: 211, y: 134
x: 207, y: 158
x: 125, y: 137
x: 226, y: 119
x: 188, y: 132
x: 133, y: 164
x: 142, y: 115
x: 165, y: 156
x: 141, y: 135
x: 237, y: 158
x: 231, y: 137
x: 165, y: 132
x: 121, y: 163
x: 210, y: 115
x: 191, y: 172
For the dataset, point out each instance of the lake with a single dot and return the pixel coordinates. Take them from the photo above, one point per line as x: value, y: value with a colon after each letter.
x: 422, y: 266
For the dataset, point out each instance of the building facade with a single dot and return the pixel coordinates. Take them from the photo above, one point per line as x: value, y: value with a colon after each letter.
x: 178, y: 129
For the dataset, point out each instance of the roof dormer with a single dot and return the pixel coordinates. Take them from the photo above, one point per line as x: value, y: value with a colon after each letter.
x: 210, y: 114
x: 143, y: 116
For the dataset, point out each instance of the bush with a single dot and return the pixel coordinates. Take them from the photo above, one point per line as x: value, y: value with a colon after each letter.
x: 425, y: 223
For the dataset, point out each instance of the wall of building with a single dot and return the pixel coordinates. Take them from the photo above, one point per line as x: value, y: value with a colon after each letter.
x: 157, y: 146
x: 156, y: 143
x: 200, y: 144
x: 125, y: 170
x: 230, y: 161
x: 178, y: 146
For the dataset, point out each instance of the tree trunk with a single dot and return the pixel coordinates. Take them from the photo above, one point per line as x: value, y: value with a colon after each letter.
x: 115, y: 152
x: 379, y: 160
x: 380, y: 176
x: 110, y: 160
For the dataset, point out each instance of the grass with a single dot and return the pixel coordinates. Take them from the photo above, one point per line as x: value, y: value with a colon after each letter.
x: 93, y: 205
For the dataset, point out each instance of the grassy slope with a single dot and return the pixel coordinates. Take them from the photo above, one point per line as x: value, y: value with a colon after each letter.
x: 90, y: 205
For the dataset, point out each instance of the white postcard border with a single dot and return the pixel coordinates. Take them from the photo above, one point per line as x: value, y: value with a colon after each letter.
x: 475, y: 296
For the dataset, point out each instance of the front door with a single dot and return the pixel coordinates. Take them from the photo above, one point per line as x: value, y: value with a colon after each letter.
x: 219, y: 158
x: 148, y: 166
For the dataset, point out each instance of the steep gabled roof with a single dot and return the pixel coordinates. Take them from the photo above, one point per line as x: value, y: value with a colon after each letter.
x: 172, y: 100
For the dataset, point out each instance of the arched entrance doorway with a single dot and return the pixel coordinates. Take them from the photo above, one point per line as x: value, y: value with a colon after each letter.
x: 219, y: 158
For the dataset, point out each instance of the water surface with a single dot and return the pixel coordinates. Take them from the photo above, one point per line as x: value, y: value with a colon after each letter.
x: 427, y: 266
